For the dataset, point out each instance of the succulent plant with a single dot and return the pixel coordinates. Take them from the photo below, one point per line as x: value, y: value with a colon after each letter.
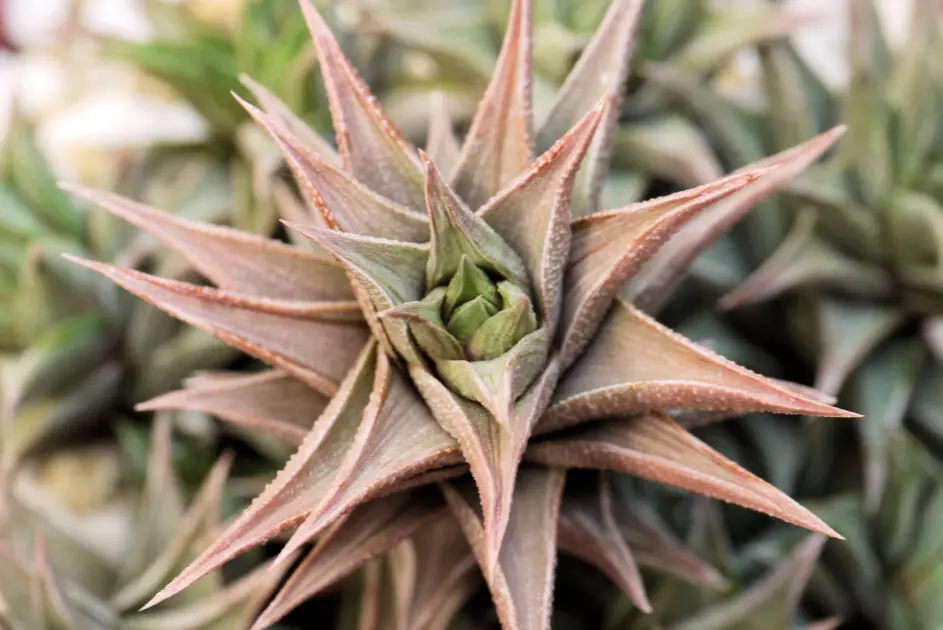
x: 861, y: 264
x: 50, y: 580
x: 455, y: 318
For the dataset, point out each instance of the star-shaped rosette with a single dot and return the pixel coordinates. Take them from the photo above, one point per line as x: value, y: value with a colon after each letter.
x: 455, y: 332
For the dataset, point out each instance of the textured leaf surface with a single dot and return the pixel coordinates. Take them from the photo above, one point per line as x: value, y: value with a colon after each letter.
x: 441, y: 144
x: 601, y: 71
x: 653, y: 446
x: 651, y: 287
x: 635, y: 364
x: 533, y: 213
x: 233, y: 259
x: 316, y: 342
x: 271, y: 402
x: 610, y: 247
x: 372, y: 149
x: 500, y: 142
x: 368, y: 531
x: 344, y: 202
x: 521, y: 581
x: 373, y: 434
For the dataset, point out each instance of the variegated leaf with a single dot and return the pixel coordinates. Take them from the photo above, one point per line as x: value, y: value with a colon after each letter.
x: 270, y: 402
x: 521, y: 581
x: 533, y: 213
x: 655, y: 447
x: 233, y: 259
x: 635, y: 364
x: 610, y: 247
x: 500, y: 142
x: 372, y: 149
x: 344, y: 202
x: 601, y: 70
x: 315, y: 342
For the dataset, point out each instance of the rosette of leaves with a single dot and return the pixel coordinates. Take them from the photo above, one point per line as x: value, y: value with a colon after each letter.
x: 890, y: 568
x: 862, y: 263
x: 457, y: 326
x: 75, y: 351
x: 51, y: 581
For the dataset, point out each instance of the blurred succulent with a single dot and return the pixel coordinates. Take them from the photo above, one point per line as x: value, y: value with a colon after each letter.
x: 862, y: 263
x: 765, y: 578
x: 890, y: 568
x: 49, y: 580
x: 76, y: 353
x: 460, y: 322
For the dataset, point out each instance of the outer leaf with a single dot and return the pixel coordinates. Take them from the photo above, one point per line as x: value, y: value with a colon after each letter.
x: 654, y: 447
x: 588, y: 530
x: 601, y: 71
x: 345, y: 203
x: 771, y: 603
x: 458, y: 233
x: 441, y: 144
x: 650, y: 288
x: 635, y: 364
x: 805, y: 260
x: 314, y: 342
x: 372, y: 149
x: 230, y: 258
x: 500, y: 142
x: 533, y: 213
x: 281, y: 114
x: 271, y: 402
x: 368, y: 531
x: 521, y: 582
x: 883, y: 388
x: 610, y: 247
x: 370, y: 437
x: 848, y: 332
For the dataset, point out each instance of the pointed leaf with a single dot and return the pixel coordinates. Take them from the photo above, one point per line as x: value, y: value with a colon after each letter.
x: 372, y: 149
x: 502, y: 331
x: 441, y: 144
x: 457, y: 233
x: 804, y: 260
x: 650, y: 288
x: 345, y: 203
x: 521, y: 582
x: 500, y: 142
x: 635, y: 364
x: 588, y: 530
x: 233, y: 259
x: 654, y: 447
x: 271, y: 402
x: 314, y: 342
x: 368, y: 531
x: 848, y: 332
x: 533, y: 213
x: 493, y: 450
x: 425, y: 324
x: 610, y: 247
x: 469, y: 317
x: 771, y: 602
x: 371, y: 436
x: 468, y: 283
x: 600, y: 71
x: 281, y: 113
x: 389, y: 273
